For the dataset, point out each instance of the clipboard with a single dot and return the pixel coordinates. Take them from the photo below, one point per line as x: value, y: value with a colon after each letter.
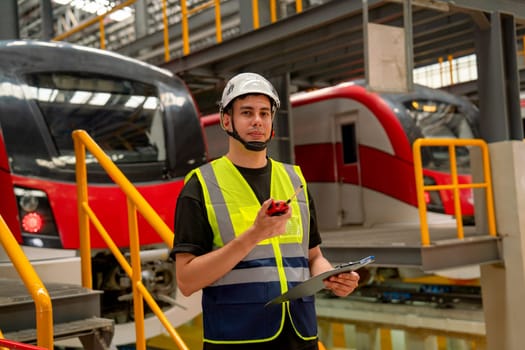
x: 315, y: 284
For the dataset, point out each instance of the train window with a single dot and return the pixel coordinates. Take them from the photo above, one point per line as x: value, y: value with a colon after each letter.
x: 349, y: 143
x: 124, y: 117
x: 437, y: 119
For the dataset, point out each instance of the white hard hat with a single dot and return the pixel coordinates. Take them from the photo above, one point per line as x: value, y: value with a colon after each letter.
x: 248, y: 83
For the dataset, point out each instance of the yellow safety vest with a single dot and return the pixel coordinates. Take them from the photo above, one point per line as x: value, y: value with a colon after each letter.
x: 233, y: 306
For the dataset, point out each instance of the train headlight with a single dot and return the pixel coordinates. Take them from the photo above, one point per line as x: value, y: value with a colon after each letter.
x: 32, y: 222
x: 29, y: 203
x: 36, y: 218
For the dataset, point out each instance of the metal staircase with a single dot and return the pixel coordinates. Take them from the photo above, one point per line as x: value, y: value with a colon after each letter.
x: 76, y: 314
x: 32, y: 312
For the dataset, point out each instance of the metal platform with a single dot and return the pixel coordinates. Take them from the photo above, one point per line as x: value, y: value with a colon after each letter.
x: 400, y: 246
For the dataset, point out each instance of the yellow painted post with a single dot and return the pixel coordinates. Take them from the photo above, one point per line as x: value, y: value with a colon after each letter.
x: 442, y: 343
x: 136, y: 275
x: 299, y: 6
x: 451, y: 69
x: 83, y: 220
x: 102, y: 34
x: 273, y: 11
x: 184, y: 22
x: 338, y: 335
x: 440, y: 60
x: 422, y: 206
x: 218, y: 25
x: 455, y: 189
x: 386, y: 338
x: 255, y: 14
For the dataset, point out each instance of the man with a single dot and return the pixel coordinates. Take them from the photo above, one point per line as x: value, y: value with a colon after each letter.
x: 228, y: 244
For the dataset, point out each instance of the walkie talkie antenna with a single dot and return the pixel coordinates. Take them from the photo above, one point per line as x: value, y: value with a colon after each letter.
x: 297, y: 190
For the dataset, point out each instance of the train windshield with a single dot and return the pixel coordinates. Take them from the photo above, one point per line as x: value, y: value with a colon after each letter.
x: 122, y: 116
x: 437, y: 119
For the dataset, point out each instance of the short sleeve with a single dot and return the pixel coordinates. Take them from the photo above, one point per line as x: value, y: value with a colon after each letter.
x: 193, y: 233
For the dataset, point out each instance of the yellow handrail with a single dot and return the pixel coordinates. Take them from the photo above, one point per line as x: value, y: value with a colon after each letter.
x: 33, y: 283
x: 135, y: 202
x: 454, y: 186
x: 255, y: 14
x: 185, y: 30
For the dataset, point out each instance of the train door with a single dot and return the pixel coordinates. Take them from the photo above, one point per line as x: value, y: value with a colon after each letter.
x: 348, y: 171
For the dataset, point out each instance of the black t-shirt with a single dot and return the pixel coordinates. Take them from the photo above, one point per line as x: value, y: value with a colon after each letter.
x: 193, y: 233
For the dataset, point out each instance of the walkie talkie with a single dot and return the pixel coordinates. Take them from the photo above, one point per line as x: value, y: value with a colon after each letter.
x: 278, y: 208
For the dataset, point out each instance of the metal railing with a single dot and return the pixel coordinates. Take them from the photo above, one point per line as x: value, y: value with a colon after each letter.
x: 98, y: 19
x: 33, y: 283
x: 185, y: 14
x: 455, y: 186
x: 135, y: 202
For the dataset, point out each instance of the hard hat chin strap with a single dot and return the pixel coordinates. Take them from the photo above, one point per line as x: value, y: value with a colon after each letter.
x: 256, y: 146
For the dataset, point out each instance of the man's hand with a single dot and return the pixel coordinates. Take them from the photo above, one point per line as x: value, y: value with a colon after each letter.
x: 342, y: 284
x: 266, y: 226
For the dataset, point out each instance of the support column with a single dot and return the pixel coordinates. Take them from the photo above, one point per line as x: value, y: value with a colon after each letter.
x: 503, y: 287
x: 9, y: 23
x: 281, y: 146
x: 498, y: 79
x: 141, y: 19
x: 46, y: 12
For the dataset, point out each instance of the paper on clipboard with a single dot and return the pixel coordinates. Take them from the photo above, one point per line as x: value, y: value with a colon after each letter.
x: 315, y: 284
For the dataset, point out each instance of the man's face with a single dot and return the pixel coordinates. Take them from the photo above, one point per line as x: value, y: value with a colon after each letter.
x: 252, y: 117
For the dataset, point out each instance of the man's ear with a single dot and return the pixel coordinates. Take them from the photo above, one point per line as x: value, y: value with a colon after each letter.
x: 226, y: 121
